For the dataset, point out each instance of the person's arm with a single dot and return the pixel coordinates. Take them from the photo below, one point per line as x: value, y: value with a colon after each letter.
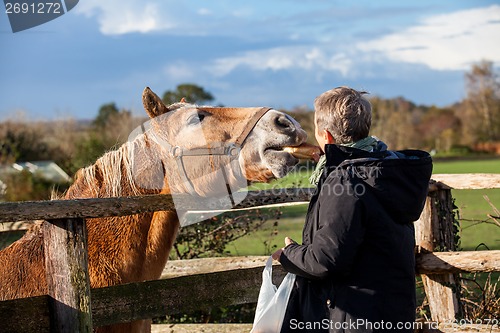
x: 335, y: 243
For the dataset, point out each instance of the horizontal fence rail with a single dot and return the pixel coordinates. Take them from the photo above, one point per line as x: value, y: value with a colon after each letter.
x: 427, y: 263
x: 469, y: 181
x: 121, y: 206
x: 148, y: 299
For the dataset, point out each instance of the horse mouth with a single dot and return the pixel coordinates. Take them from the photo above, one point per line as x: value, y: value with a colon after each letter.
x: 301, y: 151
x: 279, y: 161
x: 280, y: 150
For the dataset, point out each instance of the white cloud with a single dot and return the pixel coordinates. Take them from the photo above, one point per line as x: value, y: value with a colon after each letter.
x: 442, y: 42
x: 283, y: 58
x: 445, y: 42
x: 117, y: 17
x: 204, y: 11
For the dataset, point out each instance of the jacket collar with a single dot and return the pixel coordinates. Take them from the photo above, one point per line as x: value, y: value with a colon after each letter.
x: 336, y: 154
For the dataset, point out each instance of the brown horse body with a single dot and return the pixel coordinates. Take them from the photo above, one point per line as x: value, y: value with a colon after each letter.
x: 136, y: 248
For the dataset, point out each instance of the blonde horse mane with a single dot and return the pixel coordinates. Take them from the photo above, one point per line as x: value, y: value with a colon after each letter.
x: 113, y: 174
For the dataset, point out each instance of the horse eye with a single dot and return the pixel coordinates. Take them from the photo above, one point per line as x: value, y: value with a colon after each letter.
x: 196, y: 119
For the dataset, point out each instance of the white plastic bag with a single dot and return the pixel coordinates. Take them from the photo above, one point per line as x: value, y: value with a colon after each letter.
x: 272, y: 302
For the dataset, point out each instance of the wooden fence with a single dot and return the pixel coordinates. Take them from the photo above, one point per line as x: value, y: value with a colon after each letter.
x: 71, y: 305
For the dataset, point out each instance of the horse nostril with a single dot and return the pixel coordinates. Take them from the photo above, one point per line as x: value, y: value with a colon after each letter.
x: 282, y: 121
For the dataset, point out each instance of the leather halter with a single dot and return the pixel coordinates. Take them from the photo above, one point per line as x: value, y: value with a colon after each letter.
x: 231, y: 149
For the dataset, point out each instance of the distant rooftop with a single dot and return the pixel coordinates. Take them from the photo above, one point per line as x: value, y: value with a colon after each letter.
x: 48, y: 170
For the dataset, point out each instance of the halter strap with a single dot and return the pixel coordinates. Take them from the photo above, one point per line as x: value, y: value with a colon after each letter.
x: 251, y: 124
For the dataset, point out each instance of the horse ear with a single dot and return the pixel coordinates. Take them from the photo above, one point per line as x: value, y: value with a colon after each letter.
x: 153, y: 104
x: 183, y: 100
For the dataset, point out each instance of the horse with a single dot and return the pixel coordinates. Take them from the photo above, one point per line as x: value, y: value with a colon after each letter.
x: 136, y: 248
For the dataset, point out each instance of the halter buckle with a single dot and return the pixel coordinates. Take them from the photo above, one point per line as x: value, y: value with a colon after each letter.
x: 233, y: 150
x: 176, y: 152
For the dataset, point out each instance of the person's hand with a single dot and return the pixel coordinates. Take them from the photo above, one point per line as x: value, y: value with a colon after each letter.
x: 289, y: 241
x: 276, y: 255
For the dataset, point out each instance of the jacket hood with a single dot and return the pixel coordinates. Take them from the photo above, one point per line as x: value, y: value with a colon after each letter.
x: 398, y: 179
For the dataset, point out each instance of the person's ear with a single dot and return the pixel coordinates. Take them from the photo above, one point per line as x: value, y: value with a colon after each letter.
x: 327, y: 136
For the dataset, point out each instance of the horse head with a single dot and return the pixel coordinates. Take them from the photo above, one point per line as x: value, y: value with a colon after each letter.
x: 203, y: 150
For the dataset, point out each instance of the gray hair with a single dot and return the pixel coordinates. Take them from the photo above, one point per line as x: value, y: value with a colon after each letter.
x: 345, y: 113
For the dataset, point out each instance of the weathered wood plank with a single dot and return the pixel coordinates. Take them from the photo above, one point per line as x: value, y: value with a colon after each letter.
x: 29, y: 315
x: 427, y: 263
x: 434, y: 232
x: 66, y: 267
x: 205, y: 328
x: 146, y: 300
x: 93, y: 207
x: 101, y: 207
x: 175, y: 268
x: 455, y: 262
x: 472, y: 181
x: 177, y: 295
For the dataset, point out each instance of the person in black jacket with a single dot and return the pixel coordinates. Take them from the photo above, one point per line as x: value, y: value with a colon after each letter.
x: 356, y: 265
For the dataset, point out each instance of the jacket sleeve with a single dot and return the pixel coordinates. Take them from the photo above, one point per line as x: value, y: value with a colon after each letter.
x: 335, y: 242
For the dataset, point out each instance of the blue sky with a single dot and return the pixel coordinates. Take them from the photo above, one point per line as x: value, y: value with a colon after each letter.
x: 280, y: 53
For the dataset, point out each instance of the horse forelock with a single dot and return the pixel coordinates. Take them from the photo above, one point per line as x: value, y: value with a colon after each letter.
x: 180, y: 105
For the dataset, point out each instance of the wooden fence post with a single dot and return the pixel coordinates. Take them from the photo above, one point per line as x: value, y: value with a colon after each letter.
x: 66, y: 264
x: 435, y: 232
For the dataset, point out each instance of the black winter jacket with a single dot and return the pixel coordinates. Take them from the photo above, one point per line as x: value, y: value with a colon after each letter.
x: 356, y: 266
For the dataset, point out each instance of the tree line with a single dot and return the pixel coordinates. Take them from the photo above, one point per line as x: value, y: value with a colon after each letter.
x: 465, y: 125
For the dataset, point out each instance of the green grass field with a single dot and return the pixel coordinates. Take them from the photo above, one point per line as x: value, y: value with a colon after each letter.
x: 472, y: 207
x: 467, y: 166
